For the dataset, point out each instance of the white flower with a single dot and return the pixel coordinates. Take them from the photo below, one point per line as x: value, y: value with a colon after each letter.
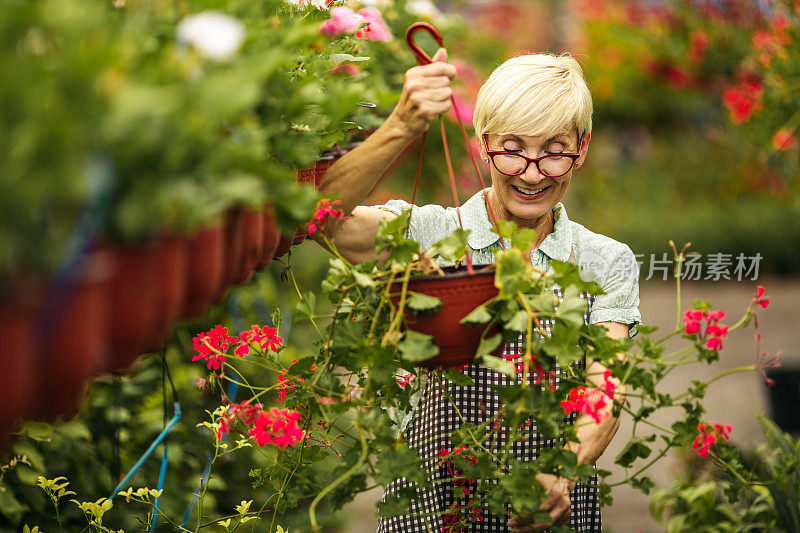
x: 424, y: 8
x: 215, y: 35
x: 319, y: 4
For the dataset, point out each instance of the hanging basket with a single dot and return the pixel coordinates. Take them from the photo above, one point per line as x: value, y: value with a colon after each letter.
x: 252, y: 244
x: 460, y: 293
x: 173, y: 260
x: 73, y: 333
x: 134, y: 303
x: 17, y: 358
x: 272, y: 237
x: 205, y: 269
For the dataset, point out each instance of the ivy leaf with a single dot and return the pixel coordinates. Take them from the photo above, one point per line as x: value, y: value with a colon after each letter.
x: 644, y: 484
x: 572, y: 308
x: 519, y: 322
x: 458, y: 377
x: 422, y: 302
x: 505, y: 228
x: 562, y: 344
x: 305, y: 307
x: 568, y: 275
x: 341, y: 58
x: 452, y: 247
x: 512, y: 273
x: 523, y: 239
x: 498, y: 365
x: 634, y: 449
x: 479, y: 315
x: 363, y: 280
x: 416, y: 347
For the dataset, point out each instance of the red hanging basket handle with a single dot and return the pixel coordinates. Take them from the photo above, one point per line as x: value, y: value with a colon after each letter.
x: 422, y: 57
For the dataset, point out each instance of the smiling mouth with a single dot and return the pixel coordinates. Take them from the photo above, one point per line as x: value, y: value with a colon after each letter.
x: 530, y: 192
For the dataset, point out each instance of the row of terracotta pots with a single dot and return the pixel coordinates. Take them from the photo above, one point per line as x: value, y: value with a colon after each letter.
x: 119, y: 302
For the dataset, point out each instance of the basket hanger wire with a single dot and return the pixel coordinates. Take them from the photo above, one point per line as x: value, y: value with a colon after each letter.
x: 424, y: 59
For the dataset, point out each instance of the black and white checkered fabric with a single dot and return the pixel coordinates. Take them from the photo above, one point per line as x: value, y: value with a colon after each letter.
x: 429, y: 431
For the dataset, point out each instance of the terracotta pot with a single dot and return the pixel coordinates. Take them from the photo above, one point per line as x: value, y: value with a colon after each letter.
x: 272, y: 237
x: 234, y: 249
x: 18, y: 361
x: 72, y: 334
x: 173, y: 260
x: 252, y: 244
x: 205, y: 269
x: 134, y: 305
x: 322, y: 165
x: 460, y: 293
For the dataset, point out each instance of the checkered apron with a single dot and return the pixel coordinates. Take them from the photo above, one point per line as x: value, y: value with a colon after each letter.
x: 429, y: 431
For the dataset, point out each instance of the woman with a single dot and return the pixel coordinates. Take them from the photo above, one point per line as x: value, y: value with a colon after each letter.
x: 534, y: 119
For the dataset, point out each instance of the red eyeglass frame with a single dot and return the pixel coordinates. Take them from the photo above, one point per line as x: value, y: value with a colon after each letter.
x: 529, y: 160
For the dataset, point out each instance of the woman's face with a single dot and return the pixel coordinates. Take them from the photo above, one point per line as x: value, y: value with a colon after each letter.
x: 526, y: 198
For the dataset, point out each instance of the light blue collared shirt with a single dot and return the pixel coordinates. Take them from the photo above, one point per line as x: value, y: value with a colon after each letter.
x: 610, y: 263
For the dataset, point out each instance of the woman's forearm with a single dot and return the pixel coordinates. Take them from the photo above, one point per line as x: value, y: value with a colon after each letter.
x: 354, y: 175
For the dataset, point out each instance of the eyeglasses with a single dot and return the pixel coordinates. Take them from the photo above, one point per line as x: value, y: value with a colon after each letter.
x: 550, y: 165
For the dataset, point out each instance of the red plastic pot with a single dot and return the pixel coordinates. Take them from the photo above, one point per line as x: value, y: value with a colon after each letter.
x: 321, y: 168
x: 287, y: 242
x: 272, y: 237
x: 234, y: 248
x: 173, y: 260
x: 307, y: 174
x: 460, y: 293
x: 252, y: 244
x: 134, y: 303
x: 73, y: 338
x: 18, y: 361
x: 205, y: 269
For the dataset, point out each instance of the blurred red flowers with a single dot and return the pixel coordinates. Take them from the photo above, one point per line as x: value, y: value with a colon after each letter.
x: 708, y: 437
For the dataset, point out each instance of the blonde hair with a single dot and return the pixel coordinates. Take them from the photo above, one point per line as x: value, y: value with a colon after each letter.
x: 535, y: 94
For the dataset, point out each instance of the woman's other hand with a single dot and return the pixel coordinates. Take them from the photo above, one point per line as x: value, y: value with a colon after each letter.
x: 557, y: 504
x: 426, y: 93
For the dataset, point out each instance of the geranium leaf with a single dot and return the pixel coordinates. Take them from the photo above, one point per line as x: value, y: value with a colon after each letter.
x: 479, y: 315
x: 572, y: 308
x: 634, y: 449
x: 523, y: 239
x: 416, y: 347
x: 422, y: 302
x: 452, y: 247
x: 512, y: 273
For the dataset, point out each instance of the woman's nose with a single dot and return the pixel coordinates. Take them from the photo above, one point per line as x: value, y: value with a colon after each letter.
x: 532, y: 174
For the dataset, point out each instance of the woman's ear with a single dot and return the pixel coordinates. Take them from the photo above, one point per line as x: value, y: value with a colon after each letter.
x: 583, y: 150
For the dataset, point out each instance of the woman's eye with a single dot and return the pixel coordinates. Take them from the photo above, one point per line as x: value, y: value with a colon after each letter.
x: 554, y: 149
x: 512, y: 150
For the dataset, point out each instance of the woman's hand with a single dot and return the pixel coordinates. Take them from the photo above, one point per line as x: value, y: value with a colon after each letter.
x: 557, y: 504
x: 426, y: 93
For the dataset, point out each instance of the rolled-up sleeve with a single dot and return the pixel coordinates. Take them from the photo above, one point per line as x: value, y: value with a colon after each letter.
x: 620, y: 303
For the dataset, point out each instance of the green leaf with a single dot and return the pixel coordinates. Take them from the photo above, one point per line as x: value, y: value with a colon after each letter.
x: 523, y: 239
x: 512, y: 273
x: 479, y: 315
x: 568, y: 275
x: 452, y: 247
x: 634, y: 449
x: 416, y: 347
x: 505, y: 228
x: 488, y: 345
x: 363, y: 280
x: 572, y: 308
x: 498, y: 365
x: 341, y: 58
x: 305, y: 307
x: 518, y: 323
x: 422, y: 302
x: 458, y: 377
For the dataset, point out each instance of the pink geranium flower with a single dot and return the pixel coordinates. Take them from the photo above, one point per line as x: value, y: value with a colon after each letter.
x: 708, y: 436
x: 343, y: 20
x: 278, y: 427
x: 376, y: 29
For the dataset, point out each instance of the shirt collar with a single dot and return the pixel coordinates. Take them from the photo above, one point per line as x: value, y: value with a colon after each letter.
x: 557, y: 245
